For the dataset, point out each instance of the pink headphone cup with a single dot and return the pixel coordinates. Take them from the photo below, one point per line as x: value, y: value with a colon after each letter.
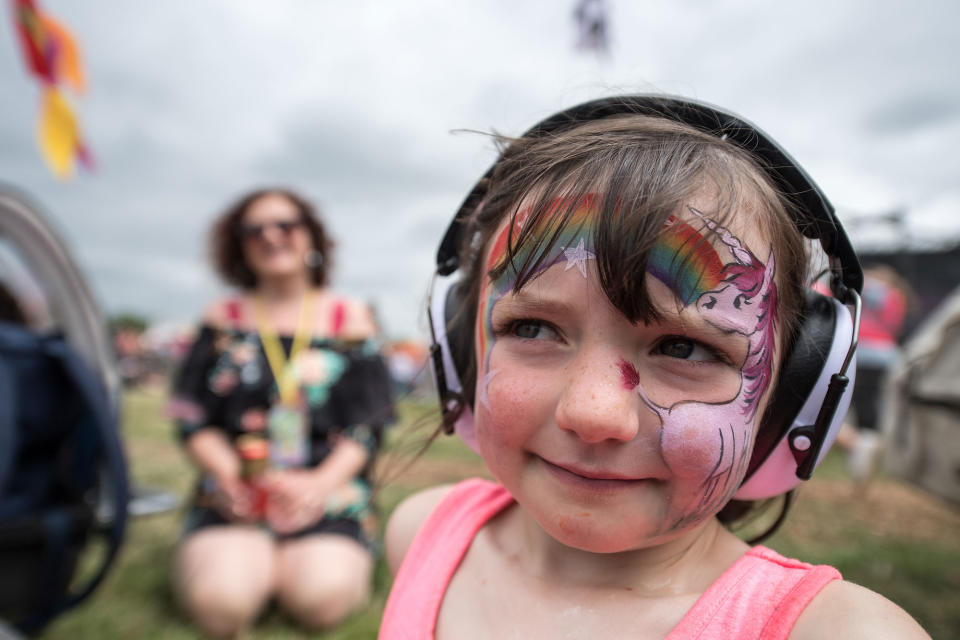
x: 436, y: 308
x: 778, y: 473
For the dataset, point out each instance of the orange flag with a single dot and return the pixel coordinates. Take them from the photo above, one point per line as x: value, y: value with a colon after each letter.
x: 52, y: 55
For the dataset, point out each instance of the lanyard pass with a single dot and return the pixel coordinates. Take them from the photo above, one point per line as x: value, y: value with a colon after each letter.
x: 280, y: 364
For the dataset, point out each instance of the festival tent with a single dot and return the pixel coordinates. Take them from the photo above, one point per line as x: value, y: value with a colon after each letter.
x: 921, y: 416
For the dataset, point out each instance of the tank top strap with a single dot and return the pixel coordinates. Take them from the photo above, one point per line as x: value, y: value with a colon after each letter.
x: 233, y: 309
x: 338, y: 317
x: 759, y: 597
x: 433, y: 557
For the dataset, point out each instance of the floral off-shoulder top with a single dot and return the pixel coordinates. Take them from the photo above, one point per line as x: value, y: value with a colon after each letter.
x: 225, y: 382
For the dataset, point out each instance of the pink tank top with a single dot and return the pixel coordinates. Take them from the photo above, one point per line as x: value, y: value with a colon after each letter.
x: 759, y: 597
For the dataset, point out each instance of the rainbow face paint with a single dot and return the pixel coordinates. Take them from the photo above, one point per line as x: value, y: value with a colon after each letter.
x: 574, y: 246
x: 684, y: 261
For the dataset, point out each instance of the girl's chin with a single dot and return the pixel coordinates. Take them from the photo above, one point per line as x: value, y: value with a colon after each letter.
x: 590, y: 533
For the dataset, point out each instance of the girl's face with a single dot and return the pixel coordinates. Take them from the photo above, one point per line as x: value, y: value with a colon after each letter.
x: 613, y: 435
x: 275, y: 237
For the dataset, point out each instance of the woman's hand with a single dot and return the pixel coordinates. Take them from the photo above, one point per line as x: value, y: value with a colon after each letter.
x: 296, y: 499
x: 232, y: 499
x: 218, y: 459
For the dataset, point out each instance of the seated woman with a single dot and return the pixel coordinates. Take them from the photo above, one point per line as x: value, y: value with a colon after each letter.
x: 285, y: 367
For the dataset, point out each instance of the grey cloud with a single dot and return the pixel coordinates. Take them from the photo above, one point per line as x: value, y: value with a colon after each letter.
x: 351, y: 159
x: 912, y: 112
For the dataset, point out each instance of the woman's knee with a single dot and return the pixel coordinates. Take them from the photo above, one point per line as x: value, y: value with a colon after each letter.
x: 223, y: 582
x: 222, y: 607
x: 320, y: 585
x: 326, y: 608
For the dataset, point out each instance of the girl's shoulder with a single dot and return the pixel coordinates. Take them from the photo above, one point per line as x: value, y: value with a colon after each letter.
x: 406, y: 520
x: 847, y: 610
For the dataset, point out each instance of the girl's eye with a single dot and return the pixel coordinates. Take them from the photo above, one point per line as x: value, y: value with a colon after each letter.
x: 686, y: 349
x: 532, y: 330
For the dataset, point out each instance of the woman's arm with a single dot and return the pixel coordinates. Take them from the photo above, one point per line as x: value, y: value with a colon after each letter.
x: 213, y: 453
x: 342, y: 465
x: 210, y: 450
x: 196, y: 411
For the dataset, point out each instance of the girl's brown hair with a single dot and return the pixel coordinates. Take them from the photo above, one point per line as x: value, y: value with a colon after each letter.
x: 226, y: 240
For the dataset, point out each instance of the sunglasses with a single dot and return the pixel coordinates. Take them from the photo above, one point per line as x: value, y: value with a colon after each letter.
x: 258, y: 231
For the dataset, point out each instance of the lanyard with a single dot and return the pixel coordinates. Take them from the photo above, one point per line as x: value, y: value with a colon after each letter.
x: 279, y: 364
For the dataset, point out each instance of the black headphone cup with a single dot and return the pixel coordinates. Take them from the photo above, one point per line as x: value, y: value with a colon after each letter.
x: 459, y: 334
x: 800, y: 370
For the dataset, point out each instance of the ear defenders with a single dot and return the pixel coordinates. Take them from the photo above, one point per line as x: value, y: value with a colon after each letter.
x: 814, y: 387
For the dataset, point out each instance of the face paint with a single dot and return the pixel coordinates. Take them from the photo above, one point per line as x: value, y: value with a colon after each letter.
x: 739, y: 297
x: 705, y: 441
x: 578, y: 257
x: 629, y: 375
x: 685, y: 261
x: 570, y: 247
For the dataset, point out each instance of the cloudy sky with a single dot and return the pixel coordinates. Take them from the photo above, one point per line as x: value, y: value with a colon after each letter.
x: 358, y: 104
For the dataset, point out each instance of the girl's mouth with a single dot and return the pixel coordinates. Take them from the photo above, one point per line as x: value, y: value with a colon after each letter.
x: 589, y: 479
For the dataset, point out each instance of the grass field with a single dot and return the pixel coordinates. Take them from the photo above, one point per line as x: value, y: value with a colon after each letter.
x: 895, y: 540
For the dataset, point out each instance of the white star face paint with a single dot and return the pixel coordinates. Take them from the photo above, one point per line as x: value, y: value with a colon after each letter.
x: 577, y: 257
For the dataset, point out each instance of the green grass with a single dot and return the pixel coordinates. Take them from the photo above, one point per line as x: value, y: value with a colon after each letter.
x: 895, y: 540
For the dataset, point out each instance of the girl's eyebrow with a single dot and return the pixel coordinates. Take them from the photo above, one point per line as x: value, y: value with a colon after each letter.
x: 533, y: 303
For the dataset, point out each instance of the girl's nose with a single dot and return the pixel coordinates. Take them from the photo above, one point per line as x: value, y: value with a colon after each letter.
x: 597, y: 406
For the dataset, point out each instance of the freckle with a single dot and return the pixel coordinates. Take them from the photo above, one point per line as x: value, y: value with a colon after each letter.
x: 586, y: 514
x: 628, y: 588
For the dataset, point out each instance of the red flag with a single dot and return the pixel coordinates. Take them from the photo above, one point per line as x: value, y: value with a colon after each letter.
x: 33, y: 40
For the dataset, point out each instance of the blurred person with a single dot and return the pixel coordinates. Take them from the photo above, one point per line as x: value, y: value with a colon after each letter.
x: 10, y: 309
x: 286, y: 369
x: 129, y: 354
x: 885, y: 303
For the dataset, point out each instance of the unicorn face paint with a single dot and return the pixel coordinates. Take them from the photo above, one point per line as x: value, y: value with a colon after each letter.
x: 741, y: 299
x: 614, y: 435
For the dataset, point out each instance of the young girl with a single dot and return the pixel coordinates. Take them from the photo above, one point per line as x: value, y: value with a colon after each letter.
x: 631, y: 274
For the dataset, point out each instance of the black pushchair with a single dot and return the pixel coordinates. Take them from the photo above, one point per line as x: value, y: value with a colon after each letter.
x: 63, y: 476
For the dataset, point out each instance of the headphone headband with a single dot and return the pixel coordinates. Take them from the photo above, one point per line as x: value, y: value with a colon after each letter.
x: 818, y: 222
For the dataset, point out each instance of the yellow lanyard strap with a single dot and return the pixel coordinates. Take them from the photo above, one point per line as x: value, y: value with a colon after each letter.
x: 279, y: 363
